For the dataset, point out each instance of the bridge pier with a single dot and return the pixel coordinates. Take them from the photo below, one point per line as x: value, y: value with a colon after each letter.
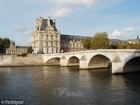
x: 117, y: 67
x: 83, y: 64
x: 63, y: 61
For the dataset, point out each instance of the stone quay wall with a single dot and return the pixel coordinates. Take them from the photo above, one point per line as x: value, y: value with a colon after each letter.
x: 13, y: 60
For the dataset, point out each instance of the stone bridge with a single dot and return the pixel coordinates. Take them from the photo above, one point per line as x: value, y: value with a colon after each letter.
x: 118, y: 61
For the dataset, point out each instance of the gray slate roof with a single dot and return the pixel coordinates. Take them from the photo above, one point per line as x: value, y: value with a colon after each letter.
x: 22, y: 46
x: 118, y: 41
x: 74, y: 37
x: 44, y: 24
x: 78, y: 38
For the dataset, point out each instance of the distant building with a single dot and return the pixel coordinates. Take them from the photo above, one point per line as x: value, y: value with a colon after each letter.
x: 47, y: 39
x: 117, y: 41
x: 16, y: 49
x: 133, y: 41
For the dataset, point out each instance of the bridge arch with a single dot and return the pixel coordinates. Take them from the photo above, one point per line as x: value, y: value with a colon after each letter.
x: 53, y: 61
x: 132, y: 64
x: 99, y: 61
x: 73, y: 60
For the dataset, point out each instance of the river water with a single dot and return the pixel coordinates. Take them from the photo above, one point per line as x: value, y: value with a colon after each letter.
x: 54, y: 85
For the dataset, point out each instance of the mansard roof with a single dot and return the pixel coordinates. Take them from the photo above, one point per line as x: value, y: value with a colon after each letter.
x: 73, y: 37
x: 22, y: 46
x: 118, y: 41
x: 44, y: 24
x: 78, y: 38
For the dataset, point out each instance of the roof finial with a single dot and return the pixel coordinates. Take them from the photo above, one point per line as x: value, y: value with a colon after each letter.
x: 137, y: 36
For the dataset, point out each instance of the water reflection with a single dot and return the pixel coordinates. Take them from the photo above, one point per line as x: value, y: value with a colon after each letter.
x: 36, y: 85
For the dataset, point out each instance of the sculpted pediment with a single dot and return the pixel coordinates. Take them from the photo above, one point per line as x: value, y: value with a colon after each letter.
x: 49, y: 28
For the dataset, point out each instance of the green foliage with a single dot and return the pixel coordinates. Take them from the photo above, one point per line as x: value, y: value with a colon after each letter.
x: 124, y: 46
x: 29, y: 50
x: 23, y: 54
x: 4, y: 43
x: 86, y: 43
x: 100, y: 41
x: 113, y: 46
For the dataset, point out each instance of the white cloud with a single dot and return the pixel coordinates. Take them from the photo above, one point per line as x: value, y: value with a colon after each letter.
x: 65, y: 7
x: 74, y: 3
x: 28, y: 32
x: 61, y: 12
x: 124, y: 34
x: 28, y: 43
x: 20, y: 28
x: 129, y: 29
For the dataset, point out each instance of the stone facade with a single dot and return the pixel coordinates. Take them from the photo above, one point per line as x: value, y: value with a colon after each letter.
x: 16, y: 49
x: 133, y: 41
x: 47, y: 39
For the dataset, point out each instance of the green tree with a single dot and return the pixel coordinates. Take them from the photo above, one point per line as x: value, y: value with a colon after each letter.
x: 100, y: 41
x: 120, y: 46
x: 4, y: 43
x: 1, y: 47
x: 113, y: 46
x: 29, y: 50
x: 86, y: 43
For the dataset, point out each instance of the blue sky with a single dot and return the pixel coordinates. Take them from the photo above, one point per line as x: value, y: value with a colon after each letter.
x: 119, y: 18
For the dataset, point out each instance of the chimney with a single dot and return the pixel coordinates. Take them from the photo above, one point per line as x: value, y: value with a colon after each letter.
x: 54, y: 22
x: 48, y: 21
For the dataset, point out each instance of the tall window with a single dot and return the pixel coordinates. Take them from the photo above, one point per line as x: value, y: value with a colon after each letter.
x: 73, y: 45
x: 52, y: 44
x: 67, y: 44
x: 70, y: 45
x: 46, y: 43
x: 52, y: 50
x: 42, y: 50
x: 56, y: 50
x: 47, y: 51
x: 52, y: 37
x: 63, y: 44
x: 47, y: 37
x: 56, y: 37
x: 77, y: 45
x: 42, y: 43
x: 42, y: 36
x: 56, y: 43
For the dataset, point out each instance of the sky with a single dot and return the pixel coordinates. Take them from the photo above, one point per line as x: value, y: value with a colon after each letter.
x: 119, y: 18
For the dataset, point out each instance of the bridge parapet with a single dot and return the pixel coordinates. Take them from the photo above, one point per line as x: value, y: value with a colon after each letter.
x: 117, y: 58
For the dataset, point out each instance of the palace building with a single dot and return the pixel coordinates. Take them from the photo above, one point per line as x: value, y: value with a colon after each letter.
x: 47, y: 39
x: 16, y: 49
